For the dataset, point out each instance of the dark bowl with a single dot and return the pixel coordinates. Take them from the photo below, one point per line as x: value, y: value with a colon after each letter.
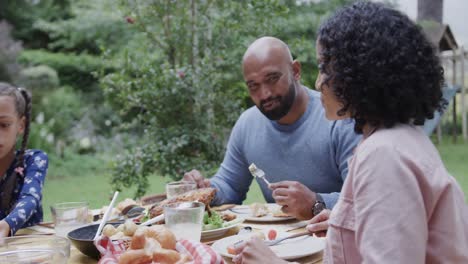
x: 82, y: 239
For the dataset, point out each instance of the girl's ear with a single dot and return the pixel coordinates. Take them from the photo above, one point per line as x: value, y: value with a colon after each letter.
x: 22, y: 125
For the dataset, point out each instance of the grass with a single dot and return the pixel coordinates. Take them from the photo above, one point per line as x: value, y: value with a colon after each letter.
x: 87, y: 178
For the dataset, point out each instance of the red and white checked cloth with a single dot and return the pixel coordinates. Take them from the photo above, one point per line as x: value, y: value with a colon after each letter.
x: 201, y: 253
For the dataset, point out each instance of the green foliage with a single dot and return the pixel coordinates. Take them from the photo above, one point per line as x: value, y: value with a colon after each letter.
x: 74, y: 70
x: 186, y: 93
x: 91, y: 27
x: 55, y: 117
x: 39, y: 77
x: 62, y: 108
x: 9, y: 51
x: 23, y: 13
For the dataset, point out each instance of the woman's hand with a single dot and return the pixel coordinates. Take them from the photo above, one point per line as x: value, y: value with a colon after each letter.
x: 4, y: 229
x: 255, y: 251
x: 318, y: 225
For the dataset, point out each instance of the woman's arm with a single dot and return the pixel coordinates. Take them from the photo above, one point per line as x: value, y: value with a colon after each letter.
x: 391, y: 222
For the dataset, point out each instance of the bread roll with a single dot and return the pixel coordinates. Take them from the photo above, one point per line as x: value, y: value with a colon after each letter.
x: 163, y: 235
x: 109, y: 230
x: 129, y: 227
x: 138, y: 239
x: 152, y: 245
x: 137, y: 256
x: 166, y: 256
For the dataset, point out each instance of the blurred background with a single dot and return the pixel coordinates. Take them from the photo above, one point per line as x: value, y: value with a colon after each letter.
x: 129, y: 94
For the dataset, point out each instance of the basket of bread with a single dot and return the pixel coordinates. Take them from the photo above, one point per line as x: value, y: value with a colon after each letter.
x: 150, y: 244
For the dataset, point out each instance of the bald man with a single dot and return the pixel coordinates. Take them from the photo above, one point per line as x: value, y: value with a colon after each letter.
x: 286, y: 135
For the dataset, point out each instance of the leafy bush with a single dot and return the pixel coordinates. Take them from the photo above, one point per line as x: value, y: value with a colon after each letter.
x: 91, y: 27
x: 185, y: 93
x: 73, y: 70
x: 9, y: 50
x: 62, y: 108
x: 38, y: 77
x: 23, y: 13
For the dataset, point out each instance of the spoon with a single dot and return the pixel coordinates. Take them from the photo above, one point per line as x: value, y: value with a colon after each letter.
x: 106, y: 216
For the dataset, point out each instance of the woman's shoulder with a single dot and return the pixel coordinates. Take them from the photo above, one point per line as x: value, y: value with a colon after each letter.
x: 402, y: 140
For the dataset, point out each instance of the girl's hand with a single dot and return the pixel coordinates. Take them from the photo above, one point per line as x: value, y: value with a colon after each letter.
x: 255, y: 251
x: 318, y: 225
x: 4, y: 229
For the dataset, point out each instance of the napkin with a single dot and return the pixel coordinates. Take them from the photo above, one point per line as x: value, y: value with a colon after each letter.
x: 201, y: 253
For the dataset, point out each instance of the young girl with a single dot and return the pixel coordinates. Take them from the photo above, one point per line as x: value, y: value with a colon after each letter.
x: 22, y: 172
x: 398, y: 203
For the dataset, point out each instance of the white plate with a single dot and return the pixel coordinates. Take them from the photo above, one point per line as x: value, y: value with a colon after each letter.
x: 214, y: 233
x: 293, y: 248
x: 245, y: 212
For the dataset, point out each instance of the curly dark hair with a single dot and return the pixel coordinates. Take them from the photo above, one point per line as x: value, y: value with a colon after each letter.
x: 382, y: 67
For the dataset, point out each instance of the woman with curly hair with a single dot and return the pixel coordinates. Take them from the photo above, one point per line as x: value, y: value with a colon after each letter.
x: 398, y: 203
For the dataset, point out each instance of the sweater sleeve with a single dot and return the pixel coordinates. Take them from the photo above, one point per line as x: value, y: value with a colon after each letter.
x: 344, y: 140
x: 31, y: 192
x: 233, y: 178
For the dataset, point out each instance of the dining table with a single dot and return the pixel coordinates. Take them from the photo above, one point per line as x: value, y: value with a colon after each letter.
x: 290, y: 226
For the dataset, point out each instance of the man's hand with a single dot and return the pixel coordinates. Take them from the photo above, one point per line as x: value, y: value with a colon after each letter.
x: 195, y: 176
x: 295, y: 198
x: 4, y: 229
x: 319, y: 224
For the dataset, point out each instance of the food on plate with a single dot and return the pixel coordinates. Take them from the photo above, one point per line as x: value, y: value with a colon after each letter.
x: 226, y: 216
x: 214, y: 220
x: 252, y: 168
x: 231, y: 250
x: 203, y: 195
x: 259, y: 209
x: 272, y: 234
x: 277, y: 212
x: 262, y: 209
x: 125, y: 205
x: 155, y: 244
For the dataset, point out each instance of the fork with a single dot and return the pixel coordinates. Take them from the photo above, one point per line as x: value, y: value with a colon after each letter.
x: 258, y: 173
x: 276, y: 241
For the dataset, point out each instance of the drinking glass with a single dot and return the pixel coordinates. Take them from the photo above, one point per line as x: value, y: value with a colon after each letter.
x: 34, y: 249
x: 185, y: 219
x: 179, y: 187
x: 69, y: 216
x: 36, y: 256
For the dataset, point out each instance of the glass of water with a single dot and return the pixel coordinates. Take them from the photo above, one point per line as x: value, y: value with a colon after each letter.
x: 174, y: 189
x: 34, y: 249
x: 69, y: 216
x: 185, y: 219
x: 36, y: 256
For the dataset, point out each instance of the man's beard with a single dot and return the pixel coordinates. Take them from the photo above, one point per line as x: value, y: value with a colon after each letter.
x: 285, y: 104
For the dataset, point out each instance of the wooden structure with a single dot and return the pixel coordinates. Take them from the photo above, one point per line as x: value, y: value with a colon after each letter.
x: 442, y: 37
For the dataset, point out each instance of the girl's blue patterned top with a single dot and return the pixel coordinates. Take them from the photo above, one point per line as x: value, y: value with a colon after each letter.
x: 26, y: 209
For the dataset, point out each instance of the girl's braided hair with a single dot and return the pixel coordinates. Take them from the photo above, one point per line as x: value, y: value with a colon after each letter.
x: 23, y: 107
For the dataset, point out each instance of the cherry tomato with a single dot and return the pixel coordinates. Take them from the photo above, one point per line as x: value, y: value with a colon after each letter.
x: 231, y: 250
x: 272, y: 234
